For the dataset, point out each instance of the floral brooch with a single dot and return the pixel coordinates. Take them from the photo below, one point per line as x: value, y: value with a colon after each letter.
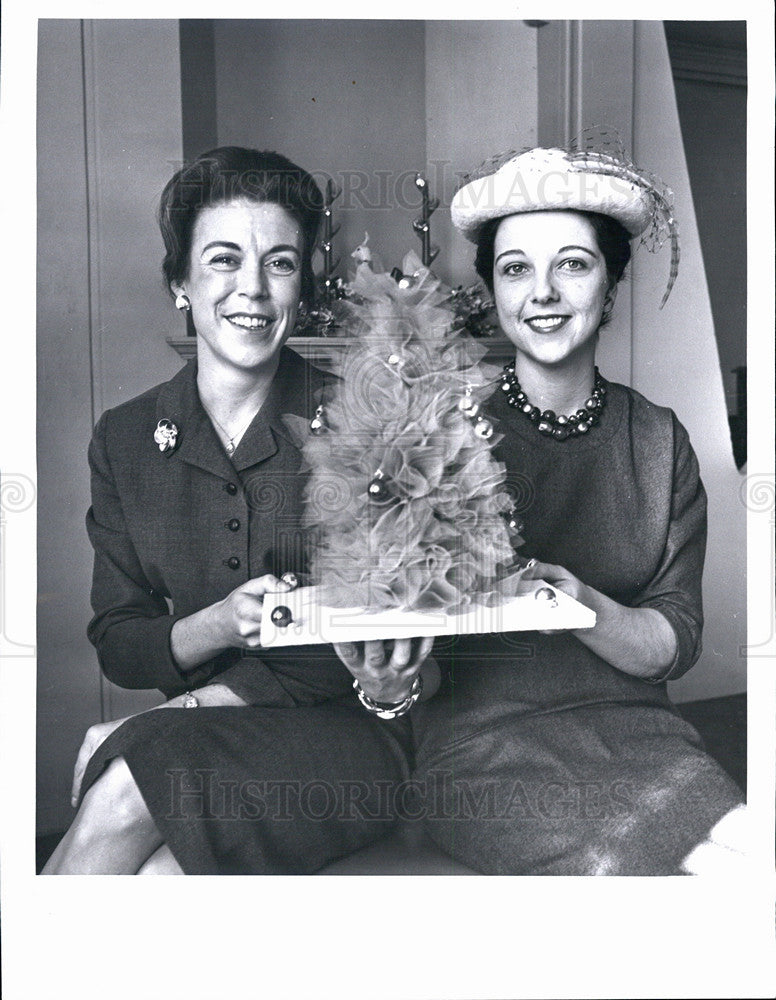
x: 166, y: 435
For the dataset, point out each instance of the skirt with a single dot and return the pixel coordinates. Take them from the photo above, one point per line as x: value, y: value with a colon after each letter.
x: 610, y: 788
x: 255, y: 790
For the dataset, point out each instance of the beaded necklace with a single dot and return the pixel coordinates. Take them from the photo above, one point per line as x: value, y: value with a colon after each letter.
x: 547, y: 422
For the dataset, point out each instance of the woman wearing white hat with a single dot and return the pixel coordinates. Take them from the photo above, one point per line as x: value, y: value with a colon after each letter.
x: 561, y: 753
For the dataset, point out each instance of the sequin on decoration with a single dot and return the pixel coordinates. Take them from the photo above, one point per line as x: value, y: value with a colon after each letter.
x: 378, y: 488
x: 546, y: 594
x: 514, y: 523
x: 281, y: 616
x: 468, y: 406
x: 483, y: 429
x: 317, y: 424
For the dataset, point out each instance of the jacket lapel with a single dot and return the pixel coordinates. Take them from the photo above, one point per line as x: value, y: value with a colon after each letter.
x: 296, y: 389
x: 198, y: 443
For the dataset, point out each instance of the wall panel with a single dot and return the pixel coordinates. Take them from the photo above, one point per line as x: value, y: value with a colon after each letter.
x: 68, y: 678
x: 481, y: 99
x: 676, y: 363
x: 341, y: 98
x: 102, y: 321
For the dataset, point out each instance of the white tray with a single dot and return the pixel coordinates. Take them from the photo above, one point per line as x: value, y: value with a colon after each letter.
x: 316, y: 623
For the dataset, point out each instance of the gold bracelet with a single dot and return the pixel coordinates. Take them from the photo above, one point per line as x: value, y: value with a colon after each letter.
x: 386, y: 710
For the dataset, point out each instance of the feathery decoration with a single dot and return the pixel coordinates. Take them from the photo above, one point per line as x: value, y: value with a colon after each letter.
x: 404, y: 495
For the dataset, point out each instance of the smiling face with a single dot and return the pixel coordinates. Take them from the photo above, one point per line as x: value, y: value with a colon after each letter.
x: 244, y: 283
x: 550, y: 285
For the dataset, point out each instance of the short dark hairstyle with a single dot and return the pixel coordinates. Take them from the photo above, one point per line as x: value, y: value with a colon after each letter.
x: 612, y: 237
x: 225, y: 174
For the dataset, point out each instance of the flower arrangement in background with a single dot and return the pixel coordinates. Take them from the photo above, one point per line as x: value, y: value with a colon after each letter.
x: 472, y: 310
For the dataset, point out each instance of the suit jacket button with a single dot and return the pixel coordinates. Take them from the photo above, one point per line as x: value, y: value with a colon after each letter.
x: 233, y: 562
x: 231, y: 489
x: 233, y: 524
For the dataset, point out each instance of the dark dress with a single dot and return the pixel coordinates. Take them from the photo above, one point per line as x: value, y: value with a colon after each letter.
x: 293, y: 780
x: 537, y: 756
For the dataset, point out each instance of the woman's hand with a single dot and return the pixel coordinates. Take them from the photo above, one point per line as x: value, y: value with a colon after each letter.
x: 209, y: 696
x: 638, y: 641
x: 240, y: 611
x: 385, y: 670
x: 559, y: 577
x: 234, y: 621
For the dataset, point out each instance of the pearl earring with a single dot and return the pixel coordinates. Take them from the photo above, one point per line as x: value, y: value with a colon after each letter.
x: 182, y: 302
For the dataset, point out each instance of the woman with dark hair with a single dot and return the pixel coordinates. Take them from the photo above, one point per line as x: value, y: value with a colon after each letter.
x: 564, y: 753
x: 254, y: 762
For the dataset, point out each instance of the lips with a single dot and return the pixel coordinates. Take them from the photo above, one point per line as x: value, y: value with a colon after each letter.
x: 546, y: 324
x: 247, y: 321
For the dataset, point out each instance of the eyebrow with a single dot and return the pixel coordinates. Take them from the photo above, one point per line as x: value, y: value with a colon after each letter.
x: 220, y: 243
x: 571, y: 246
x: 236, y: 246
x: 575, y: 246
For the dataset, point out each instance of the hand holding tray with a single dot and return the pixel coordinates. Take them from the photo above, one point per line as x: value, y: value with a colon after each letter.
x: 543, y: 607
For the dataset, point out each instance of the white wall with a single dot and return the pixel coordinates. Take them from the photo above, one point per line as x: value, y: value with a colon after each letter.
x: 102, y: 321
x: 68, y: 684
x: 481, y: 99
x: 676, y: 363
x: 341, y: 98
x: 133, y: 147
x: 371, y: 102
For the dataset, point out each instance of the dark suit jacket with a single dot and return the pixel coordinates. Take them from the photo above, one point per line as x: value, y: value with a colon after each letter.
x: 174, y: 532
